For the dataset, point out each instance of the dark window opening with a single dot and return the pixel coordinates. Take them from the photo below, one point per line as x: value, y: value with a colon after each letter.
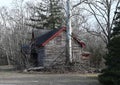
x: 33, y: 59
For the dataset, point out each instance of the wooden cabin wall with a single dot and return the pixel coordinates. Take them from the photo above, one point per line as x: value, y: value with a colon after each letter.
x: 76, y: 51
x: 55, y: 48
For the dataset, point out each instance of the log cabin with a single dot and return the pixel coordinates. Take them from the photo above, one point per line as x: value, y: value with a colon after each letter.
x: 48, y: 47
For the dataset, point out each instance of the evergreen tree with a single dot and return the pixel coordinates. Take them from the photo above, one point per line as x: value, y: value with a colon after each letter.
x: 48, y: 14
x: 111, y: 75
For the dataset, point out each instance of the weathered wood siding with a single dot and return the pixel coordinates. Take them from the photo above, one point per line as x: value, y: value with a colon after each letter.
x: 55, y: 48
x: 76, y: 51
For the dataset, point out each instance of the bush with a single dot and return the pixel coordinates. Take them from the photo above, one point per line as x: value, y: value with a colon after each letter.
x: 110, y: 77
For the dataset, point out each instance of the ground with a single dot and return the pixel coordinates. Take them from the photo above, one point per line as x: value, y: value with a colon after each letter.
x: 15, y: 78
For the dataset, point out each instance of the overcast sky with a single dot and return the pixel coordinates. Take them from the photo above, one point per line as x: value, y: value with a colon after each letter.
x: 5, y: 2
x: 9, y: 2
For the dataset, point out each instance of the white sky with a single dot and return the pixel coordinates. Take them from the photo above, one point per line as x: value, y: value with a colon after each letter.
x: 9, y: 2
x: 5, y: 2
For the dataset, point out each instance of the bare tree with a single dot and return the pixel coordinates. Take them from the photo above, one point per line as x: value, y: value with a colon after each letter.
x: 104, y: 13
x: 15, y: 32
x: 4, y: 29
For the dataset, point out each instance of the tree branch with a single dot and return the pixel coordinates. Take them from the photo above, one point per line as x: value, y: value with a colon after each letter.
x: 97, y: 20
x: 78, y: 4
x: 102, y: 15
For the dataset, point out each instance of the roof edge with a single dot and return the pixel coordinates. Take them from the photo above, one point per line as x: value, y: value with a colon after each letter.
x: 52, y: 37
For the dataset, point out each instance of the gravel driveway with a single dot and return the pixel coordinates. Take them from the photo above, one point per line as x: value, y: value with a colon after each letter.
x: 14, y: 78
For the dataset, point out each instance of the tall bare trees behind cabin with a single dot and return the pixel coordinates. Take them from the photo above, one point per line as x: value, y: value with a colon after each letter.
x: 101, y: 14
x: 103, y: 11
x: 97, y: 17
x: 93, y: 19
x: 13, y: 32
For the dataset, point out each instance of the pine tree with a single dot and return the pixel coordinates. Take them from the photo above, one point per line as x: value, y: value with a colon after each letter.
x: 111, y: 75
x: 56, y: 16
x: 48, y: 15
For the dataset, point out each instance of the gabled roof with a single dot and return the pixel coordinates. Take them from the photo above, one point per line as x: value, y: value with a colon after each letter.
x: 45, y: 38
x: 81, y: 43
x: 39, y: 32
x: 42, y: 40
